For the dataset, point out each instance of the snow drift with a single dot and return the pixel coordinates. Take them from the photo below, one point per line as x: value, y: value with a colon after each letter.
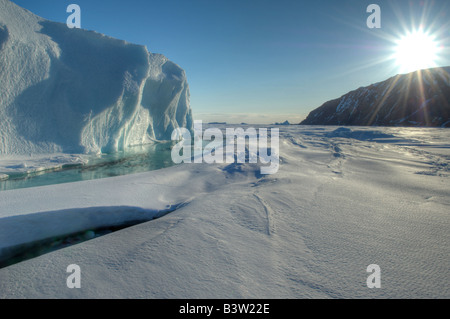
x: 72, y: 90
x: 343, y: 199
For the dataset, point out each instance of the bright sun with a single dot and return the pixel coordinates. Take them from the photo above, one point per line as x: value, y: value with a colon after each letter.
x: 416, y: 50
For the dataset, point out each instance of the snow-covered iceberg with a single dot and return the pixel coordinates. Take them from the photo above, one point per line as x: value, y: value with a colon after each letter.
x: 72, y: 90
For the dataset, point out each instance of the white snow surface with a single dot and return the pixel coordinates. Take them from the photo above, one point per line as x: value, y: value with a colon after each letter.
x: 343, y: 199
x: 76, y: 91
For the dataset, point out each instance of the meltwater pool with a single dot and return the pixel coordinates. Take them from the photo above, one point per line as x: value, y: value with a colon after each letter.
x: 135, y: 160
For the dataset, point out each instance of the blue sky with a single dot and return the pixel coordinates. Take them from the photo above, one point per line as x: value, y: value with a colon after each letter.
x: 260, y: 61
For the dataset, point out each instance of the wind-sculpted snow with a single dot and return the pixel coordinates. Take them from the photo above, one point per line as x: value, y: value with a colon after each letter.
x: 342, y: 199
x: 71, y: 90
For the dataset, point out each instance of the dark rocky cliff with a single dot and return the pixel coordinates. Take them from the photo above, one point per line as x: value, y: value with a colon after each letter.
x: 421, y: 98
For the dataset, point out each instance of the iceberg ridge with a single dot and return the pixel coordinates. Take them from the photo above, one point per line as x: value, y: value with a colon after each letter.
x: 78, y: 91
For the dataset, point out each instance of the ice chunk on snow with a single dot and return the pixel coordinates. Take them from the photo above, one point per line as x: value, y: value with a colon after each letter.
x: 362, y: 134
x: 72, y: 90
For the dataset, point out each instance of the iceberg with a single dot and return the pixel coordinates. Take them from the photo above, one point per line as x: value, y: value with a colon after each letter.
x: 76, y: 91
